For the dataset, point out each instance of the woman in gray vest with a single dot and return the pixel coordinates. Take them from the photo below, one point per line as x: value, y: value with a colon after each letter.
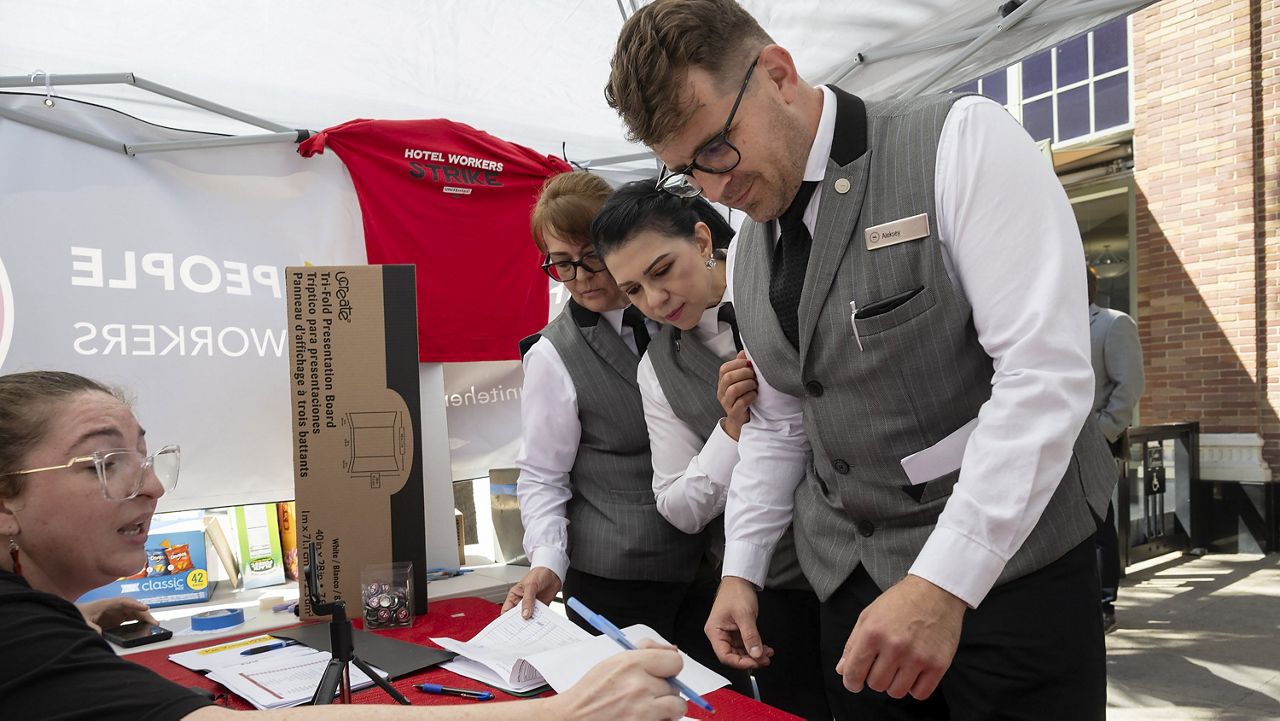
x: 667, y: 255
x: 592, y: 528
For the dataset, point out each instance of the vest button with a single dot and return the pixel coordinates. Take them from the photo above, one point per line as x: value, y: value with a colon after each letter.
x: 841, y: 467
x: 866, y: 528
x: 813, y: 388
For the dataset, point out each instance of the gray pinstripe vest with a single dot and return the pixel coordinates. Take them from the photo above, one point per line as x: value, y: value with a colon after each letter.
x: 920, y: 375
x: 688, y: 372
x: 615, y: 530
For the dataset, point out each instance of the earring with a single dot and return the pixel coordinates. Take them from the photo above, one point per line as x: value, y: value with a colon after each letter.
x: 711, y: 263
x: 13, y: 554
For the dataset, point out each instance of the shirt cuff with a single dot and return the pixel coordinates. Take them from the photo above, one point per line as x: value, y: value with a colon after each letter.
x: 958, y: 565
x: 718, y: 456
x: 552, y: 558
x: 746, y: 560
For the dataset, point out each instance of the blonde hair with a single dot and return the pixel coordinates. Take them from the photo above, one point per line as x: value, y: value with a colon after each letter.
x: 566, y: 206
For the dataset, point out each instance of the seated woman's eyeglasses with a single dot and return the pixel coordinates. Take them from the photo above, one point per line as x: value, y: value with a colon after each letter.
x: 120, y: 471
x: 564, y: 270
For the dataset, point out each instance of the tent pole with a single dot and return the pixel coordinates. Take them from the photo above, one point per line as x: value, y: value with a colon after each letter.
x: 615, y: 159
x: 1041, y: 17
x: 212, y: 107
x: 24, y: 81
x: 980, y: 42
x: 288, y: 136
x: 35, y: 121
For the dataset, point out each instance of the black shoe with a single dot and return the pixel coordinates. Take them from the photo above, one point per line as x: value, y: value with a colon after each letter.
x: 1108, y: 620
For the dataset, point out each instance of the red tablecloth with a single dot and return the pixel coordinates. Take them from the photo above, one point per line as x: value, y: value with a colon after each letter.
x: 459, y: 618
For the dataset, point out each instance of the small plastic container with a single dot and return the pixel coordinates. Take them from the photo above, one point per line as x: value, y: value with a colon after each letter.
x: 387, y: 592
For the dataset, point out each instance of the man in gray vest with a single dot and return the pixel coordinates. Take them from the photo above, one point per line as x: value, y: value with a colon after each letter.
x: 1118, y: 384
x: 909, y: 291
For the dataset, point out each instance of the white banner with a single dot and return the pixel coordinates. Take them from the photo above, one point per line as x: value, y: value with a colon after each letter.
x: 162, y: 274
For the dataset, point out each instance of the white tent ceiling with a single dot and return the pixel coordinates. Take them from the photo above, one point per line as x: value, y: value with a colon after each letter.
x: 531, y: 71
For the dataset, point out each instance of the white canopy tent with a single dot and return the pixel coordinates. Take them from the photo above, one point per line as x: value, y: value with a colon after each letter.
x: 530, y: 71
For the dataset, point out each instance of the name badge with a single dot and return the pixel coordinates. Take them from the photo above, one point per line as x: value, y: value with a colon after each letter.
x: 898, y: 231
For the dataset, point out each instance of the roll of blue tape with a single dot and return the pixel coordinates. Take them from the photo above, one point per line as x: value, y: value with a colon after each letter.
x: 217, y: 620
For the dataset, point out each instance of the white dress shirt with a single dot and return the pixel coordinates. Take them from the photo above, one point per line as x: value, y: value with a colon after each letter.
x: 690, y: 478
x: 549, y: 446
x: 1011, y: 248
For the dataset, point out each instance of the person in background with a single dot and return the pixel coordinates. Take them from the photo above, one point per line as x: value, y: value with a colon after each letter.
x: 592, y: 528
x: 1118, y: 384
x: 667, y: 255
x: 909, y: 291
x: 78, y: 488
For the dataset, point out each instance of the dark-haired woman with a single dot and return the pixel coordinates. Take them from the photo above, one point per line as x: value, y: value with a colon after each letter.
x: 591, y: 526
x: 667, y: 255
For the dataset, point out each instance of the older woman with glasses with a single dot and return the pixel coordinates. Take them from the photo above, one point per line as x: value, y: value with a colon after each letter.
x: 78, y: 488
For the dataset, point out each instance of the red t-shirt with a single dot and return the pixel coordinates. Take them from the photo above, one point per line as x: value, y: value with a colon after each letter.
x: 455, y: 202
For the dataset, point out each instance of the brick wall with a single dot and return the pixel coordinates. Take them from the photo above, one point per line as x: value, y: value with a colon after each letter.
x: 1205, y: 117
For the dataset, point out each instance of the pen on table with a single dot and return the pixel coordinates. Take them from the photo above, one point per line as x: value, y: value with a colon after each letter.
x: 447, y: 691
x: 268, y: 647
x: 603, y: 625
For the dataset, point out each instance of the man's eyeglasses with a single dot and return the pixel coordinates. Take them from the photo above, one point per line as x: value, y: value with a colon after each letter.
x: 120, y: 471
x: 566, y: 270
x: 716, y: 156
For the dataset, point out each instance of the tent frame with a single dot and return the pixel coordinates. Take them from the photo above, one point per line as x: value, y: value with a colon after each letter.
x: 278, y: 133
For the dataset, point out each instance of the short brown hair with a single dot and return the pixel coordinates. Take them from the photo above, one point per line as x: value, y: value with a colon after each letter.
x: 566, y: 206
x: 656, y: 48
x: 28, y: 401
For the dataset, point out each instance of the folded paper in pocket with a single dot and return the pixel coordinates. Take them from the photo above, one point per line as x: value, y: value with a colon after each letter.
x: 939, y: 459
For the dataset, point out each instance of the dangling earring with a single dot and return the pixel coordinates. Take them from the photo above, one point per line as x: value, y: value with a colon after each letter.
x: 711, y: 263
x: 13, y: 554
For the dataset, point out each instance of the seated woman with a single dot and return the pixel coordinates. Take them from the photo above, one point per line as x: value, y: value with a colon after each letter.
x: 667, y: 255
x: 77, y: 492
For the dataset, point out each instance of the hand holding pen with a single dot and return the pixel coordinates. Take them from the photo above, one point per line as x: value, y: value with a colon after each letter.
x: 606, y: 627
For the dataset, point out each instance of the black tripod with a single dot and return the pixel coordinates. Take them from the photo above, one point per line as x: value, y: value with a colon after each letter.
x: 337, y: 675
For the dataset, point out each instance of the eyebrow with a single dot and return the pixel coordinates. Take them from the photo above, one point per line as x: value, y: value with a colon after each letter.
x: 98, y: 433
x: 656, y: 261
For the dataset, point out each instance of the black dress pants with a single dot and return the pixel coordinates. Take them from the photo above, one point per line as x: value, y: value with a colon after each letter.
x: 788, y: 623
x: 1032, y: 651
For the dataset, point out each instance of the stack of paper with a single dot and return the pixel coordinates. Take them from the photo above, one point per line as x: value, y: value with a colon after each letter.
x: 518, y: 655
x: 277, y: 678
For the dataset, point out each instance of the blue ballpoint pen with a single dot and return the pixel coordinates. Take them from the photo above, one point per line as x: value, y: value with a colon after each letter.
x: 603, y: 625
x: 437, y: 689
x: 268, y: 647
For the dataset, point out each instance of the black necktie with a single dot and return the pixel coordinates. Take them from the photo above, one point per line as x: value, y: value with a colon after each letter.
x: 634, y: 319
x: 728, y: 315
x: 790, y: 258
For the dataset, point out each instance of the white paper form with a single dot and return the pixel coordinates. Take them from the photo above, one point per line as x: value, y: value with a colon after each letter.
x: 228, y: 654
x: 502, y: 646
x: 284, y: 681
x: 565, y: 666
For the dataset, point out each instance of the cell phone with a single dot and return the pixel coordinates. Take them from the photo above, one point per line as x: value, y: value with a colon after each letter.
x: 136, y: 633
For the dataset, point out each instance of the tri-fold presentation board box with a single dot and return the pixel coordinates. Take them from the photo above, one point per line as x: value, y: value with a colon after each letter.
x: 355, y: 410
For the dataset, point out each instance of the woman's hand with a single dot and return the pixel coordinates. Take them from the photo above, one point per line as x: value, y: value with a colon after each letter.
x: 629, y: 686
x: 111, y: 612
x: 540, y: 583
x: 736, y: 391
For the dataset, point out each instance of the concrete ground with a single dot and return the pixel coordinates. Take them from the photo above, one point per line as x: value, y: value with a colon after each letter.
x: 1197, y: 639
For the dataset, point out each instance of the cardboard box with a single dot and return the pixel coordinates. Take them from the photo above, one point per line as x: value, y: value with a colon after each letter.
x: 354, y: 404
x: 177, y: 569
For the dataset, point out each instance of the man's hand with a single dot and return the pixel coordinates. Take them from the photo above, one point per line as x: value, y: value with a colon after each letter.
x: 111, y: 612
x: 736, y: 391
x: 732, y: 626
x: 904, y: 641
x: 539, y: 583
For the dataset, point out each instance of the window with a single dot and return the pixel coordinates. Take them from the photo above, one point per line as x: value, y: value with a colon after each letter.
x: 1073, y: 90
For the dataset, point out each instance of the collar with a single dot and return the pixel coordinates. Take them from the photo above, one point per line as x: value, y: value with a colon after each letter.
x: 815, y: 168
x: 850, y: 132
x: 709, y: 324
x: 615, y: 319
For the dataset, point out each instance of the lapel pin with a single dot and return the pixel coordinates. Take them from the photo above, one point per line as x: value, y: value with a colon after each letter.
x: 842, y: 185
